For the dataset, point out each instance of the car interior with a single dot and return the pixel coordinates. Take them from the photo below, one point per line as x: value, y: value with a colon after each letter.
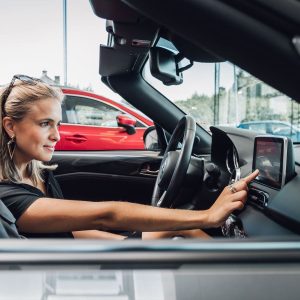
x: 185, y: 164
x: 256, y: 36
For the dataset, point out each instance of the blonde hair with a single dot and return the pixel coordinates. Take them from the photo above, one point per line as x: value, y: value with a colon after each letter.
x: 21, y: 97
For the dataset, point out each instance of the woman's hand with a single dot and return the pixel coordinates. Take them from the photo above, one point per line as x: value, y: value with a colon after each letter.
x: 233, y: 197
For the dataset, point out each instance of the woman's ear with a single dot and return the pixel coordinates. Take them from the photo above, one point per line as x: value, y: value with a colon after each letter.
x: 8, y: 125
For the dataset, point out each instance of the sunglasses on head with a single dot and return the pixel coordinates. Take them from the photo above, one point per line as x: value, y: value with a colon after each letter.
x: 24, y: 78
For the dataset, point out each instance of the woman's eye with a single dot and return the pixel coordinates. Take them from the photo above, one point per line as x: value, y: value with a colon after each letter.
x: 44, y: 124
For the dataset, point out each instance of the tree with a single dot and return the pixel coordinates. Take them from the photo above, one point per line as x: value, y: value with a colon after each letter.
x: 200, y: 107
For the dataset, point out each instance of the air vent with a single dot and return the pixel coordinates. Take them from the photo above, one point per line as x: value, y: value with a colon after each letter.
x: 258, y: 198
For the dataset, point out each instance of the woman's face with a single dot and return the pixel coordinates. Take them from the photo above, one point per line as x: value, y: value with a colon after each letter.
x: 37, y: 133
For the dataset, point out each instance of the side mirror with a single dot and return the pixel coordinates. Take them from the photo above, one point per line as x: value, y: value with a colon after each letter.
x: 151, y: 139
x: 127, y: 123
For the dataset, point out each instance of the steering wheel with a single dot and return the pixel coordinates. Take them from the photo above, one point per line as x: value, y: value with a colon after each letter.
x: 175, y: 163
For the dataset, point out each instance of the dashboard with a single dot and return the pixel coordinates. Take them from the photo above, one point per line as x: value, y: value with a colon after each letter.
x: 273, y: 206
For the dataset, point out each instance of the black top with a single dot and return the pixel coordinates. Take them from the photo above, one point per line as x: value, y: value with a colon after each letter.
x: 19, y: 196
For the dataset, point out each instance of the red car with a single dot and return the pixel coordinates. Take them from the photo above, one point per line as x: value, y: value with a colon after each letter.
x: 93, y: 122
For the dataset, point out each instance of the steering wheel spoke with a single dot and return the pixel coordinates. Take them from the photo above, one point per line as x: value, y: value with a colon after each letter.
x: 161, y: 199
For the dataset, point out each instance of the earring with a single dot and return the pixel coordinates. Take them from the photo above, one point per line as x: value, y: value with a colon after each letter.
x: 11, y: 146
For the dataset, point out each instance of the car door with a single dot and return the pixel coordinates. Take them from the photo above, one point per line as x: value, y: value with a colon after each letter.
x: 107, y: 175
x: 90, y: 124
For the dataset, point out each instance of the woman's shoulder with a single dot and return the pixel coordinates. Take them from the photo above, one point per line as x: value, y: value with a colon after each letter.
x: 10, y: 188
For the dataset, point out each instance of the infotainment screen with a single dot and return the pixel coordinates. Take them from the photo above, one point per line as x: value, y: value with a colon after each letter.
x: 270, y: 155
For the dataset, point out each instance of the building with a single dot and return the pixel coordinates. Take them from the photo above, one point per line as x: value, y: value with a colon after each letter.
x: 49, y: 80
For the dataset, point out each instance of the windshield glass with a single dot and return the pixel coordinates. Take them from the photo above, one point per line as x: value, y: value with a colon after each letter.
x: 224, y: 94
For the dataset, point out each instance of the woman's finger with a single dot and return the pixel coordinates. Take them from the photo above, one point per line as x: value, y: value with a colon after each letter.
x: 251, y: 176
x: 243, y: 183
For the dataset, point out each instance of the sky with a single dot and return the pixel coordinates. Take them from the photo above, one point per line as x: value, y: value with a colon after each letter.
x: 31, y: 34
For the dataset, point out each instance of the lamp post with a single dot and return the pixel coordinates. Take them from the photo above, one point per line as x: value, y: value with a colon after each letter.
x: 236, y: 96
x: 65, y: 49
x: 217, y: 94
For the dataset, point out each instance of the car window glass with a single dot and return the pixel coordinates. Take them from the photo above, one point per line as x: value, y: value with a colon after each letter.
x: 92, y: 112
x: 86, y: 111
x: 224, y: 94
x: 91, y: 115
x: 258, y: 127
x: 282, y: 129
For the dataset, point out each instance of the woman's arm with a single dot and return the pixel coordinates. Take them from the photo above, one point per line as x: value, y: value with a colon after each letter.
x: 97, y: 234
x: 190, y: 234
x: 55, y: 215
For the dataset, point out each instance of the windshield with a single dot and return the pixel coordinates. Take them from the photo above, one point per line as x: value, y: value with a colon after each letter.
x: 224, y: 94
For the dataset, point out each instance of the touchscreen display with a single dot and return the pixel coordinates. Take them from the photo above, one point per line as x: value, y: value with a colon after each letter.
x: 268, y: 158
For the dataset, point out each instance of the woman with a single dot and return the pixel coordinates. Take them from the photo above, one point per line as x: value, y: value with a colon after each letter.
x: 30, y: 117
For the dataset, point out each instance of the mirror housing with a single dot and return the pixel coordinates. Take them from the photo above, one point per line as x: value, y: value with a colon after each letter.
x: 164, y: 66
x: 127, y: 122
x: 151, y: 140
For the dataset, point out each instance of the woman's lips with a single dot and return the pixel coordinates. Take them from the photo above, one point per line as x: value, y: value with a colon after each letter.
x: 49, y: 148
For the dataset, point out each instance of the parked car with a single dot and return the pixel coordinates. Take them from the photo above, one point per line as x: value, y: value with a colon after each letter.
x: 273, y: 127
x: 93, y: 122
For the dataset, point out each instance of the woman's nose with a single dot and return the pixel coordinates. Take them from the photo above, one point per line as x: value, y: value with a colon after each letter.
x: 55, y: 136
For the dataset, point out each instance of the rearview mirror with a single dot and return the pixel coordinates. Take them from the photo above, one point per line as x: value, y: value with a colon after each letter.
x: 127, y: 123
x: 163, y: 66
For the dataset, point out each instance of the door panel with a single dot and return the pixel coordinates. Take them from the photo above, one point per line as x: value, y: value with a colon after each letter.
x: 83, y: 137
x: 107, y: 175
